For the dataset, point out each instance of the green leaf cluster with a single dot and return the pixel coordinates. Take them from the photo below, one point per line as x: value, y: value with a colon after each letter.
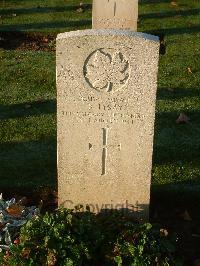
x: 68, y: 238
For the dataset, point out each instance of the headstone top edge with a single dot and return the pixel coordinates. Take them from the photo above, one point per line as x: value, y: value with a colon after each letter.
x: 99, y: 32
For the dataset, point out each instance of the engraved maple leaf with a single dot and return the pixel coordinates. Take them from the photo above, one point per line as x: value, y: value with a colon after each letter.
x: 107, y: 72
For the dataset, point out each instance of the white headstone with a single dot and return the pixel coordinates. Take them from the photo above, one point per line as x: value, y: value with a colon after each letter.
x: 115, y: 14
x: 106, y: 81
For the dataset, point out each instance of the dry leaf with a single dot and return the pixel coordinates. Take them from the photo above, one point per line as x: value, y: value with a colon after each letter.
x: 189, y: 70
x: 183, y: 118
x: 26, y: 253
x: 174, y: 3
x: 15, y: 210
x: 17, y: 241
x: 80, y: 10
x: 164, y: 232
x: 7, y: 253
x: 186, y: 216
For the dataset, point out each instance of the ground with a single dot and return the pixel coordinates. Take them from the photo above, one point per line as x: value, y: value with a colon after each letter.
x: 28, y: 96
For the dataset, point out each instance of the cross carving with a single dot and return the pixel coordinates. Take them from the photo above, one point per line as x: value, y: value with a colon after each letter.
x: 105, y: 147
x: 115, y: 6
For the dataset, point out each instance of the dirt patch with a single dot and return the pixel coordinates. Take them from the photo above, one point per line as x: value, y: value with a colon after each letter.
x: 28, y: 41
x: 45, y: 197
x: 162, y: 44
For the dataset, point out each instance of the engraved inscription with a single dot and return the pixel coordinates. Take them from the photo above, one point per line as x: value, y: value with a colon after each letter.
x: 112, y: 118
x: 106, y: 71
x: 114, y: 22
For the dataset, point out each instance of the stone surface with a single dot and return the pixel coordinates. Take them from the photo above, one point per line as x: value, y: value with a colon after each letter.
x: 115, y: 14
x: 106, y: 83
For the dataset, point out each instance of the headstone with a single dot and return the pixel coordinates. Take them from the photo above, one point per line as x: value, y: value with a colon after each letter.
x: 106, y: 81
x: 115, y: 14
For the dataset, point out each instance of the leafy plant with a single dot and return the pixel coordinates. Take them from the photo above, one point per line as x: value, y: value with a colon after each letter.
x: 68, y: 238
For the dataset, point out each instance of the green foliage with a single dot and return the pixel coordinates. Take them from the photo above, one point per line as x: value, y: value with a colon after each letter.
x: 67, y: 238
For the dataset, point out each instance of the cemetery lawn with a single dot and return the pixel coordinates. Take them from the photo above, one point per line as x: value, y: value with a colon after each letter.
x: 28, y: 93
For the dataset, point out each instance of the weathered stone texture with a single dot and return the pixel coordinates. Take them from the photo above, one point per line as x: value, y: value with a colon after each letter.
x: 115, y: 14
x: 106, y: 82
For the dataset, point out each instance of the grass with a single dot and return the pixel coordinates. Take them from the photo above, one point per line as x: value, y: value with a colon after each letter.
x: 48, y: 16
x: 28, y: 119
x: 28, y: 93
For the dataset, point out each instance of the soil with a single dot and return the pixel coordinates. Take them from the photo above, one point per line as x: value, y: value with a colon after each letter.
x: 27, y: 41
x: 43, y: 195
